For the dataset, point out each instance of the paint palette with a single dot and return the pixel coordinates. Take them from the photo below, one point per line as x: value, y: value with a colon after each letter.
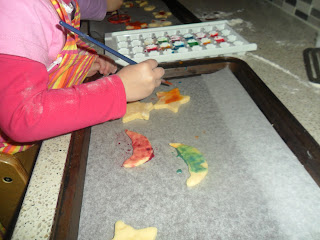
x: 180, y: 42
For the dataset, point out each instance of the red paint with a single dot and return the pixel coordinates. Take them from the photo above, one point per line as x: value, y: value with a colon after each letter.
x: 142, y: 150
x: 152, y: 48
x: 215, y: 34
x: 119, y: 18
x: 219, y: 39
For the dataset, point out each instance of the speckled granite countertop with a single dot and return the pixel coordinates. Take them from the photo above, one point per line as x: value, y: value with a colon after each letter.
x: 278, y: 61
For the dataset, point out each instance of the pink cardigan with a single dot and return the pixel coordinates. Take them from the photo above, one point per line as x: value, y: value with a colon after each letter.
x: 29, y: 42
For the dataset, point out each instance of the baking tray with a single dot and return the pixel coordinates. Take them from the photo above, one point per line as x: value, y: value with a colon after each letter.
x: 289, y: 129
x: 98, y: 28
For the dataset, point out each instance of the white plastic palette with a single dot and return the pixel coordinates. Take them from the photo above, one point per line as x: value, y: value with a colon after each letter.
x: 180, y: 42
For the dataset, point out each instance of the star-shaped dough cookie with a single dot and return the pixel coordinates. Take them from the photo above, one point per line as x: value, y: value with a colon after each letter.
x: 171, y: 100
x: 136, y: 25
x: 162, y: 14
x: 142, y: 2
x: 137, y: 110
x: 126, y: 232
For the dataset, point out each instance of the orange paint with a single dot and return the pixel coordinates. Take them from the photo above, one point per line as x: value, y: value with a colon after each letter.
x: 137, y: 25
x: 166, y: 82
x: 172, y: 96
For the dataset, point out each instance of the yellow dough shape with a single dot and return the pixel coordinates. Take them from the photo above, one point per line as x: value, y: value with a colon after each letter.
x: 156, y: 23
x: 126, y: 232
x: 162, y: 14
x: 171, y: 100
x: 142, y: 2
x: 128, y: 4
x: 149, y: 8
x: 198, y: 166
x: 137, y: 110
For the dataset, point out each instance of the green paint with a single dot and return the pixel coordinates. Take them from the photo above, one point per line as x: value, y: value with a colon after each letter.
x: 191, y: 44
x: 192, y: 157
x: 179, y: 171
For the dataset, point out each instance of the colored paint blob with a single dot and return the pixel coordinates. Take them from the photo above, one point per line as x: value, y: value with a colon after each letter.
x: 162, y: 40
x: 188, y: 36
x: 192, y: 42
x: 192, y: 157
x: 165, y: 45
x: 205, y: 41
x: 173, y: 96
x: 151, y: 47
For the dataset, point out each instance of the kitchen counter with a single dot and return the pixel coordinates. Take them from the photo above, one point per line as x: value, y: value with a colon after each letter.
x: 278, y: 61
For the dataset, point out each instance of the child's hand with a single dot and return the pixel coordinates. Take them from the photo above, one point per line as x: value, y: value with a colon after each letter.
x: 104, y: 65
x: 141, y: 79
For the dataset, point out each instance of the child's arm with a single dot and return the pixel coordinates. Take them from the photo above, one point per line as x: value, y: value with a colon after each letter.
x: 30, y: 112
x: 141, y: 79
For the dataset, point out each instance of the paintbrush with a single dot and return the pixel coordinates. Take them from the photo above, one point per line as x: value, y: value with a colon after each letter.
x: 108, y: 49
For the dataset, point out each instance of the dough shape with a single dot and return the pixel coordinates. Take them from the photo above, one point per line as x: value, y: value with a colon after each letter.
x: 149, y: 8
x: 136, y: 25
x: 157, y: 23
x: 198, y: 167
x: 119, y: 18
x: 128, y: 4
x: 142, y: 150
x: 162, y: 14
x: 142, y: 2
x: 171, y: 100
x: 166, y: 23
x: 126, y: 232
x: 137, y: 110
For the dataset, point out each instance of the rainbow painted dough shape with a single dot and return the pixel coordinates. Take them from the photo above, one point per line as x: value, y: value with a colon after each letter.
x: 137, y: 110
x: 125, y: 232
x: 171, y: 100
x: 198, y: 167
x: 142, y: 150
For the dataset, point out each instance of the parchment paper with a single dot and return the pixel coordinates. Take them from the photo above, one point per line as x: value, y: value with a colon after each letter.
x: 255, y: 189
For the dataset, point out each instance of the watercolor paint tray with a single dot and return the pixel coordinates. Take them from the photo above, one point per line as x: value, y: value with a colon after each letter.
x: 176, y: 43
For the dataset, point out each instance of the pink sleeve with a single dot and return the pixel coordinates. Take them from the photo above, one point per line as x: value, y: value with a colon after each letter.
x: 29, y: 111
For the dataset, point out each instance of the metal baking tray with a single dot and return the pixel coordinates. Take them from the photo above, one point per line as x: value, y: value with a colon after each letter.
x: 299, y: 141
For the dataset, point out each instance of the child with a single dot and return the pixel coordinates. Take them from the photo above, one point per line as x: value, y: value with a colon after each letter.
x: 42, y: 67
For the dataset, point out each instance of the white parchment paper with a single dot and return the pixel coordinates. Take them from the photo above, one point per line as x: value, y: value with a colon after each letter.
x: 255, y: 189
